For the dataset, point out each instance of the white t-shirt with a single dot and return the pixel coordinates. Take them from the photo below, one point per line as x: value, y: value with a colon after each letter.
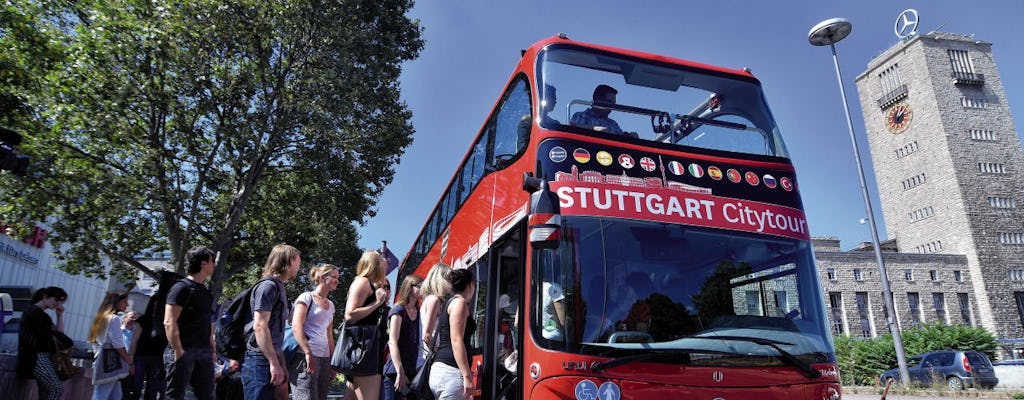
x: 112, y: 335
x: 317, y: 321
x: 551, y: 293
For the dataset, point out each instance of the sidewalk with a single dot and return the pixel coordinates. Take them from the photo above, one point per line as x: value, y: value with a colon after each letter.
x: 874, y: 393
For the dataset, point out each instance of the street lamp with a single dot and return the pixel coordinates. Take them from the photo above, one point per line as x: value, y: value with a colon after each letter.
x: 828, y: 32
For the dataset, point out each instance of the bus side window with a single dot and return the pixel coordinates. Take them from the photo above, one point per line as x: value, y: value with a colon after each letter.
x: 513, y: 119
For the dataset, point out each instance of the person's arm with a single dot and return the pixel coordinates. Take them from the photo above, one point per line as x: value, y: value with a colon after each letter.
x: 357, y: 294
x: 457, y: 321
x: 299, y: 316
x: 394, y: 331
x: 134, y: 345
x: 117, y: 341
x: 432, y: 305
x: 261, y: 329
x: 60, y: 317
x: 559, y: 306
x: 171, y: 314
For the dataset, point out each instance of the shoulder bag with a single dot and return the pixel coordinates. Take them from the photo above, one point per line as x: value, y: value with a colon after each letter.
x: 360, y: 348
x: 61, y: 357
x: 420, y: 384
x: 108, y: 366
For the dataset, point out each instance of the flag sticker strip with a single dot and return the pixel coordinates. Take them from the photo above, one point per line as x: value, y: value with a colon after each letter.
x: 582, y: 156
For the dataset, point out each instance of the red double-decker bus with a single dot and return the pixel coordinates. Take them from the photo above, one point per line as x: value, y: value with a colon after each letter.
x: 650, y: 237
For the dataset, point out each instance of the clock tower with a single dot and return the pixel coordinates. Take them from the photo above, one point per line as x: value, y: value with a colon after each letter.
x: 949, y: 165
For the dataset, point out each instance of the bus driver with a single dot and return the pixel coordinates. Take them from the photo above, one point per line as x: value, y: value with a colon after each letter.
x: 597, y: 118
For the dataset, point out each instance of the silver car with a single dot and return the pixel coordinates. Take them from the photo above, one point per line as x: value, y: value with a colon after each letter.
x: 959, y: 369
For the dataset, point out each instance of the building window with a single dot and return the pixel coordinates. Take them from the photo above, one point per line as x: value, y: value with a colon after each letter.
x: 991, y: 168
x: 960, y: 61
x: 893, y: 89
x: 981, y: 134
x: 753, y: 303
x: 835, y: 305
x: 1011, y: 237
x: 1001, y: 202
x: 1016, y: 275
x: 856, y: 275
x: 906, y: 150
x: 914, y: 181
x: 1019, y: 296
x: 931, y: 247
x: 831, y: 272
x: 939, y: 300
x: 922, y: 213
x: 971, y: 102
x: 914, y: 302
x: 908, y: 274
x: 933, y: 274
x: 965, y: 308
x: 864, y: 313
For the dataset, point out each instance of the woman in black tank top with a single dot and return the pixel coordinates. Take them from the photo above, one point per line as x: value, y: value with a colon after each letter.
x: 370, y: 289
x: 455, y: 328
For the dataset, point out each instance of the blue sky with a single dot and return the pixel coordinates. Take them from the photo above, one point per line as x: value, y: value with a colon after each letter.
x: 472, y: 46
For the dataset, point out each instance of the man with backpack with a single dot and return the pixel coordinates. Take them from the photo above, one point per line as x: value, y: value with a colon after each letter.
x: 264, y: 370
x: 188, y: 321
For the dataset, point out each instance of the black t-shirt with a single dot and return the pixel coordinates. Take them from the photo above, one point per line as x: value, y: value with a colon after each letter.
x: 445, y: 352
x: 196, y: 312
x: 35, y: 336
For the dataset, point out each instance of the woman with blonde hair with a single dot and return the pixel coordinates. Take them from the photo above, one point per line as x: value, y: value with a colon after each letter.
x: 366, y: 305
x: 106, y: 333
x: 403, y: 338
x: 312, y: 326
x: 436, y: 288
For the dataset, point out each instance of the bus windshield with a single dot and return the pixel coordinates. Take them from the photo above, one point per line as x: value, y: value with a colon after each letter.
x: 654, y: 101
x: 617, y: 287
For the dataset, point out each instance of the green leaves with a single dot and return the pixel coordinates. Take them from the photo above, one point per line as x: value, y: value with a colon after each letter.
x: 862, y: 360
x: 205, y: 122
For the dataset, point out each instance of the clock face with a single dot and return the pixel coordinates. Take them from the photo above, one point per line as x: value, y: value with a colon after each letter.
x: 898, y: 118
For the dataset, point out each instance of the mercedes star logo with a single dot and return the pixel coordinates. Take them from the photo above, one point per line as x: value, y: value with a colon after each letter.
x: 906, y: 23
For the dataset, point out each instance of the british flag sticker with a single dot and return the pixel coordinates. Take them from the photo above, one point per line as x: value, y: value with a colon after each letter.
x: 647, y: 164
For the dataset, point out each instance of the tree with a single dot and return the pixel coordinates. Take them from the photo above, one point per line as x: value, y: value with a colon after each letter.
x: 219, y: 123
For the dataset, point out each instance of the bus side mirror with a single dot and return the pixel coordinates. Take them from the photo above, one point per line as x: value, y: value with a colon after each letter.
x: 545, y: 221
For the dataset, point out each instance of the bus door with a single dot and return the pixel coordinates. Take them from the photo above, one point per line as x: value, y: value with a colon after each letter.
x: 501, y: 291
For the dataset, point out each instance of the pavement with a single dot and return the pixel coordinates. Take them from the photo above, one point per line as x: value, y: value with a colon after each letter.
x: 871, y: 393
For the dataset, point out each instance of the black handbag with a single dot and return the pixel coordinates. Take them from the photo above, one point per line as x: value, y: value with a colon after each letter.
x: 360, y: 349
x: 420, y: 384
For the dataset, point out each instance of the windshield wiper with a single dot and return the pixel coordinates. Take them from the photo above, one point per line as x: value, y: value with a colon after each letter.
x: 652, y: 353
x: 783, y: 354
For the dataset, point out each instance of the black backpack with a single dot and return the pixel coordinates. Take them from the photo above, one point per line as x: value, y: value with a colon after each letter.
x: 153, y: 340
x: 232, y: 338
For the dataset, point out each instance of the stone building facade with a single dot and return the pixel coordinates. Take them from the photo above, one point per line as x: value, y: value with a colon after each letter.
x: 949, y: 166
x: 926, y: 288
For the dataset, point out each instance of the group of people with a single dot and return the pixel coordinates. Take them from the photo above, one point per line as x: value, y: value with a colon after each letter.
x: 429, y: 314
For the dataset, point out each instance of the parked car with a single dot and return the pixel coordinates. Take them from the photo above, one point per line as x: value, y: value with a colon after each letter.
x: 959, y: 369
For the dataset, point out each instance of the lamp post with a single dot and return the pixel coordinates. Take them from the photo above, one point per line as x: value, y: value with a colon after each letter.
x: 828, y: 32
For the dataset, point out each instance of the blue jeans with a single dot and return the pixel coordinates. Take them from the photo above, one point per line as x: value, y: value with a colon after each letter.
x: 107, y: 391
x: 256, y: 377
